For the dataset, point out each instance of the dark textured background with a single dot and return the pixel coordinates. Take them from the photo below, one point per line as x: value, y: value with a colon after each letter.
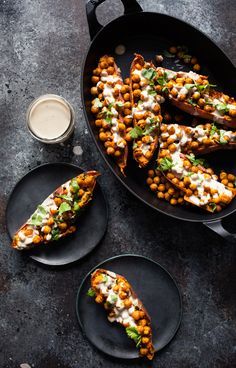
x: 42, y: 46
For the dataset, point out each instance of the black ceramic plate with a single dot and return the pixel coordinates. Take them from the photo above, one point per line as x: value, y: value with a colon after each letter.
x: 32, y: 189
x: 156, y: 289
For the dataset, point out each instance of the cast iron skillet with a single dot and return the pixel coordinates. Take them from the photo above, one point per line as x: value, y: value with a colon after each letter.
x: 148, y: 34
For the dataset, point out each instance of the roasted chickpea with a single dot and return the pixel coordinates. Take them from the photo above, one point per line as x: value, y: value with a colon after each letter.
x: 161, y: 187
x: 146, y: 330
x: 123, y: 295
x: 143, y: 351
x: 232, y: 112
x: 50, y: 221
x: 173, y: 201
x: 225, y: 181
x: 116, y: 287
x: 28, y: 232
x: 160, y: 195
x: 36, y: 239
x: 201, y: 102
x: 136, y: 93
x: 95, y: 79
x: 151, y: 173
x: 153, y: 187
x: 136, y: 315
x: 127, y: 303
x: 62, y: 226
x: 94, y: 91
x: 142, y: 322
x: 196, y: 67
x: 110, y: 151
x: 126, y: 96
x: 196, y: 95
x: 145, y: 340
x: 156, y: 180
x: 103, y: 136
x: 94, y: 109
x: 149, y: 181
x: 57, y: 201
x: 140, y: 329
x: 110, y: 70
x: 99, y: 299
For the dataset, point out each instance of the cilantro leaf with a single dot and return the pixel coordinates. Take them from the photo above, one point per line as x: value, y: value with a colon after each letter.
x: 166, y: 163
x: 55, y: 234
x: 191, y: 102
x: 64, y: 196
x: 196, y: 161
x: 91, y: 293
x: 74, y: 184
x: 149, y: 73
x: 213, y: 130
x: 152, y: 92
x: 104, y: 278
x: 42, y: 210
x: 212, y: 205
x: 133, y: 334
x: 76, y: 207
x: 64, y: 207
x: 163, y: 79
x: 136, y: 132
x: 222, y: 107
x: 114, y: 298
x: 222, y: 139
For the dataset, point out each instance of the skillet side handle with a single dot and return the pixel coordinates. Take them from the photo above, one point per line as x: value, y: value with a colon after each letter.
x: 131, y: 6
x: 94, y: 25
x: 217, y: 227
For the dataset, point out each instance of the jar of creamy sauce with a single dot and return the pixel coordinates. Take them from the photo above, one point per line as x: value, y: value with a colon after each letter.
x: 50, y: 119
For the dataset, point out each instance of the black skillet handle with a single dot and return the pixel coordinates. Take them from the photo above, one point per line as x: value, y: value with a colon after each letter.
x: 217, y: 227
x: 130, y: 6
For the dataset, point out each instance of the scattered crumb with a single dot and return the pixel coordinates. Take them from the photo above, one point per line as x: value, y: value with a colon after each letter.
x: 77, y: 150
x: 120, y: 49
x: 25, y: 365
x: 86, y: 131
x: 159, y: 59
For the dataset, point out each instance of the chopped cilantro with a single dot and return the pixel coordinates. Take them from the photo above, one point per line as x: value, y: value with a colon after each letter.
x: 74, y: 184
x: 191, y: 102
x: 64, y: 207
x: 91, y: 293
x: 166, y: 163
x: 136, y: 132
x: 222, y: 107
x: 222, y: 139
x: 163, y: 79
x: 76, y: 207
x: 64, y: 196
x: 196, y: 161
x: 152, y: 92
x: 133, y: 334
x: 213, y: 130
x: 212, y: 205
x: 149, y: 73
x: 55, y: 234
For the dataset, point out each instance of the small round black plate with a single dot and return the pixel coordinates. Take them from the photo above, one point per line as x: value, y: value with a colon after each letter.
x: 32, y: 189
x: 156, y: 289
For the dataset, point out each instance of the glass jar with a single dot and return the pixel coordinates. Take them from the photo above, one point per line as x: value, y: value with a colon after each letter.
x: 50, y: 119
